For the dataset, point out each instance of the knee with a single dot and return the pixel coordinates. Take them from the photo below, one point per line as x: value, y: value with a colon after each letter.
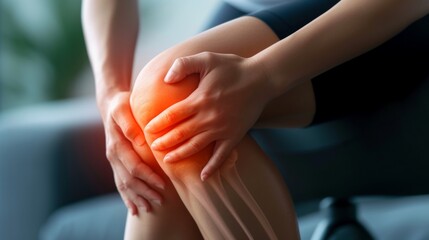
x: 149, y: 97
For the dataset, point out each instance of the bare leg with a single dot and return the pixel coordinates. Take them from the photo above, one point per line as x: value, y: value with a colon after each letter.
x: 243, y: 200
x: 171, y: 221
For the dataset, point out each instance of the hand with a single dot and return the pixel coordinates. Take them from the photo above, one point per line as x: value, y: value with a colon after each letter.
x: 230, y: 97
x: 133, y: 178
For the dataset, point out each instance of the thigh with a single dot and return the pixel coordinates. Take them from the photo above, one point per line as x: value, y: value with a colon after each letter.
x: 294, y: 109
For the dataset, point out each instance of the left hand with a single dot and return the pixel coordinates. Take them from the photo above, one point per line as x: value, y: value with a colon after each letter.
x: 230, y: 97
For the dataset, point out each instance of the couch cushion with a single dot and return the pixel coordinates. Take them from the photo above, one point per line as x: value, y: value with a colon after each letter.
x: 99, y: 218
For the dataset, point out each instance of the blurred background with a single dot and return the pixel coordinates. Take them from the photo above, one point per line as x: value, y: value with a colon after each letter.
x: 42, y: 52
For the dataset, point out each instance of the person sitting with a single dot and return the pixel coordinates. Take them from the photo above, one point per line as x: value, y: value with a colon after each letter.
x: 177, y: 139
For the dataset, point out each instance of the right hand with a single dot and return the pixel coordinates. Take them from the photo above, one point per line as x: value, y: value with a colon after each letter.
x: 133, y: 178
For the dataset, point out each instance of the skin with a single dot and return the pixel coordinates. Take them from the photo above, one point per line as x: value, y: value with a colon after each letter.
x: 348, y: 29
x: 189, y: 209
x: 243, y: 200
x: 110, y: 30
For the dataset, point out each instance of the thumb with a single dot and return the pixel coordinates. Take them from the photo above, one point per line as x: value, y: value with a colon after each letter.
x: 185, y: 66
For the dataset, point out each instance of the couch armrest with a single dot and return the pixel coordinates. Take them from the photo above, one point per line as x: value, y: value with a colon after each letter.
x: 50, y: 155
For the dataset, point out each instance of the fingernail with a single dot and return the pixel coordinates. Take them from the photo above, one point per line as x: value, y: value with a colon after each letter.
x: 132, y: 211
x: 204, y: 176
x: 140, y: 140
x: 155, y: 145
x: 150, y: 128
x: 158, y: 202
x: 146, y: 209
x: 169, y: 77
x: 168, y: 158
x: 160, y: 186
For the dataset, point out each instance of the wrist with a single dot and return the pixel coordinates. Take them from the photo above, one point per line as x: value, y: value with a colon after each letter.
x: 268, y: 86
x: 106, y: 92
x: 108, y: 84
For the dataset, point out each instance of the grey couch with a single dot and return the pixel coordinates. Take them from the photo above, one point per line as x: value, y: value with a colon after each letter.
x: 55, y: 182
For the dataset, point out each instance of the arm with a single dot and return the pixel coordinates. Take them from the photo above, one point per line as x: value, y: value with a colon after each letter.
x: 110, y: 29
x: 345, y: 31
x: 348, y: 29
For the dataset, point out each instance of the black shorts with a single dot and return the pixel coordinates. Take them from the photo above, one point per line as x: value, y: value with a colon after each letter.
x: 383, y: 75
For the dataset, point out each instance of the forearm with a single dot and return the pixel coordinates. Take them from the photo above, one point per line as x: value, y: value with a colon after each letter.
x: 347, y: 30
x: 110, y: 29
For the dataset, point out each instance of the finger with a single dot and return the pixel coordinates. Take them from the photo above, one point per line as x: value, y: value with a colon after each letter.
x: 231, y: 160
x: 137, y: 203
x: 189, y: 148
x: 175, y: 136
x: 132, y: 186
x: 125, y: 120
x: 185, y: 66
x: 137, y: 168
x: 143, y: 202
x: 221, y: 152
x: 133, y: 208
x: 128, y: 203
x: 171, y: 116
